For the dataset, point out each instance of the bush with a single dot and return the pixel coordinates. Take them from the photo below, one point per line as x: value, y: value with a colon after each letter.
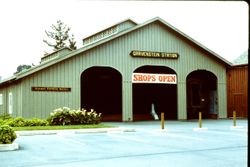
x: 7, y: 134
x: 21, y: 122
x: 60, y: 116
x: 36, y: 122
x: 66, y: 116
x: 16, y: 122
x: 85, y: 117
x: 5, y: 116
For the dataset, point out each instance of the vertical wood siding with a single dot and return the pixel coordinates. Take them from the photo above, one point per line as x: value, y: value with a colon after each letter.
x: 115, y: 53
x: 16, y: 91
x: 4, y: 98
x: 237, y: 80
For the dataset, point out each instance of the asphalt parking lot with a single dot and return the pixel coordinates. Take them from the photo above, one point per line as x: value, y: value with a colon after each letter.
x: 136, y: 144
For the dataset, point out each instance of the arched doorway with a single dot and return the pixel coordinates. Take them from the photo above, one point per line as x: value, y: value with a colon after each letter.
x: 201, y: 94
x: 151, y: 97
x: 101, y: 89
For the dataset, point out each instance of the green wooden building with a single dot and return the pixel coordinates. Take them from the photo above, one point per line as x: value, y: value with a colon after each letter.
x: 128, y: 72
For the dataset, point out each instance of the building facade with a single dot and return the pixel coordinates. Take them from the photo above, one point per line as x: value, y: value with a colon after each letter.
x: 237, y: 90
x: 128, y: 72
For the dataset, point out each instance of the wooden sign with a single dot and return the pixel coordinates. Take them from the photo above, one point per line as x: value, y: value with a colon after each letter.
x: 51, y: 89
x: 136, y: 53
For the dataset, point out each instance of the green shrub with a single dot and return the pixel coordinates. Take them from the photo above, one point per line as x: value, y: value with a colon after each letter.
x: 21, y: 122
x: 36, y: 122
x: 60, y: 116
x: 7, y: 134
x: 5, y: 116
x: 1, y: 122
x: 85, y: 117
x: 65, y: 116
x: 16, y: 122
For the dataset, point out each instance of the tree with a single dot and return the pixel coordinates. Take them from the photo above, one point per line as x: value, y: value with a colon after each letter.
x: 22, y: 67
x: 72, y: 43
x: 60, y: 37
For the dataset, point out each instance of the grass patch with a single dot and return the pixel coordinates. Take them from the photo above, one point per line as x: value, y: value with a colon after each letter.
x: 60, y: 127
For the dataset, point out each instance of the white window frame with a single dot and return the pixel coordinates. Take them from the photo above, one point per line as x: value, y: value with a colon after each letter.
x: 1, y: 99
x: 10, y: 101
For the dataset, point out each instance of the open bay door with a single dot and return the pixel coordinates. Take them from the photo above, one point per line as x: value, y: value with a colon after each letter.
x: 154, y: 92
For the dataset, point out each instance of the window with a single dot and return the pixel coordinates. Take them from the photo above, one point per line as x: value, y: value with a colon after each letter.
x: 1, y: 99
x: 10, y: 103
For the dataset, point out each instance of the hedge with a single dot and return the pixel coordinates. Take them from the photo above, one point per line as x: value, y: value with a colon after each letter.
x: 66, y: 116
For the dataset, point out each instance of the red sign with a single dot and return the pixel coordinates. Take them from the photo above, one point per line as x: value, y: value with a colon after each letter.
x: 154, y: 78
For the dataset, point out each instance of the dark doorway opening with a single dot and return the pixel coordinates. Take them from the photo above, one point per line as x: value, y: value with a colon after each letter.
x: 201, y: 94
x: 101, y: 89
x: 161, y: 97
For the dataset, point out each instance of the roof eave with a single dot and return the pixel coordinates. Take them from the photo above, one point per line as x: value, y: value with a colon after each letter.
x: 7, y: 81
x: 227, y: 63
x: 85, y: 48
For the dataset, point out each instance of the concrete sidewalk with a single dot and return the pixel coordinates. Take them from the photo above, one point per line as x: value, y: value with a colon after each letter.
x: 74, y: 131
x: 223, y: 124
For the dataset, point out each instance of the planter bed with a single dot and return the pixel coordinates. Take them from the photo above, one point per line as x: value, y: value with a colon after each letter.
x: 9, y: 147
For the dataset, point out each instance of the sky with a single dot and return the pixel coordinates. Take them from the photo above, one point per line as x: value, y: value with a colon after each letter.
x: 221, y: 26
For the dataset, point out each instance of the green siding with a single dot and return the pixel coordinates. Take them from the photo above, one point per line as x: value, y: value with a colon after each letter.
x: 4, y: 99
x: 15, y: 89
x: 115, y: 53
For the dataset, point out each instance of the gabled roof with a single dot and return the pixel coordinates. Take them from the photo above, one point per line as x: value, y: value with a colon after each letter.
x: 218, y: 57
x: 99, y: 42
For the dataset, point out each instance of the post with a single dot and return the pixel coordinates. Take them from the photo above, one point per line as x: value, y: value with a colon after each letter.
x: 200, y: 128
x: 162, y: 120
x: 234, y: 118
x: 200, y: 120
x: 153, y: 113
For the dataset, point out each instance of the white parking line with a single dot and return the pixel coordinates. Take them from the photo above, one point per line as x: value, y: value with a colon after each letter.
x: 64, y: 136
x: 131, y: 138
x: 183, y: 136
x: 241, y: 133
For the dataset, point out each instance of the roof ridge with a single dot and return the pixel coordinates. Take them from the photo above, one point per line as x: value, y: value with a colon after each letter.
x: 92, y: 45
x: 108, y: 27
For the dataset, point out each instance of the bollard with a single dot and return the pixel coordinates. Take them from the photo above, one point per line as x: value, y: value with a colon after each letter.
x: 234, y: 118
x: 200, y: 128
x: 200, y: 120
x: 162, y: 120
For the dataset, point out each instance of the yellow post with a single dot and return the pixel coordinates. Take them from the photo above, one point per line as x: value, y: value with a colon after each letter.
x: 234, y: 118
x: 162, y: 120
x: 200, y: 120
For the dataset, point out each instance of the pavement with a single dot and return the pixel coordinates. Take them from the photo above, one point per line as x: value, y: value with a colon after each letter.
x: 135, y: 144
x: 74, y: 131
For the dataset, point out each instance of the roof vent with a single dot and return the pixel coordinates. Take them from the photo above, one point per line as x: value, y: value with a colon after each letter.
x: 119, y: 27
x: 55, y: 54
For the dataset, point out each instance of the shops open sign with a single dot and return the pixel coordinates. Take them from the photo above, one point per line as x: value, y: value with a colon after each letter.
x: 154, y: 78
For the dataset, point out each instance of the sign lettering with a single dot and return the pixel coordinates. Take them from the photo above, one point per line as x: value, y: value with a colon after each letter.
x: 51, y: 89
x: 136, y: 53
x: 154, y: 78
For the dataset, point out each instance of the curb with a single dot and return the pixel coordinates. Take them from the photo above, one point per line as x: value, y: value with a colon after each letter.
x: 9, y: 147
x: 74, y: 131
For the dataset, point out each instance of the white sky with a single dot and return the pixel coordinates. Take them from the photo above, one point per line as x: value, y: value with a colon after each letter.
x: 220, y: 26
